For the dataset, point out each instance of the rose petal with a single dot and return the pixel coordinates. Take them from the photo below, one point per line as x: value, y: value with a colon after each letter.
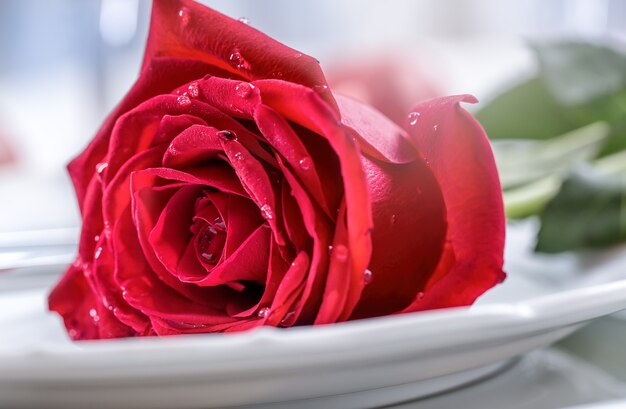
x: 458, y: 152
x: 73, y: 299
x: 305, y: 107
x: 378, y: 136
x: 158, y: 76
x: 286, y: 142
x: 408, y: 236
x: 186, y: 29
x: 255, y: 180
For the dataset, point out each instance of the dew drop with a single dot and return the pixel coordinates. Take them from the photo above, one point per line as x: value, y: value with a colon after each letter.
x: 72, y: 333
x: 244, y: 89
x: 204, y: 245
x: 330, y: 249
x: 96, y: 238
x: 267, y: 212
x: 367, y: 276
x: 219, y: 223
x: 413, y: 118
x: 287, y: 318
x: 263, y: 312
x: 100, y: 167
x: 305, y: 163
x: 94, y: 315
x: 208, y: 256
x: 239, y: 156
x: 244, y: 20
x: 98, y: 253
x: 420, y: 295
x: 227, y: 135
x: 320, y: 88
x: 435, y: 128
x: 172, y: 149
x: 237, y: 60
x: 183, y: 100
x: 393, y: 219
x: 297, y: 55
x: 340, y: 252
x: 193, y: 90
x: 183, y: 14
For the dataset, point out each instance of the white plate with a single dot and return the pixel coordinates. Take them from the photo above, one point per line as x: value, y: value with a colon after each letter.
x: 360, y: 364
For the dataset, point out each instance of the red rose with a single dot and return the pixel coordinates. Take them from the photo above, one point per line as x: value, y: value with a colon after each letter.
x: 230, y: 189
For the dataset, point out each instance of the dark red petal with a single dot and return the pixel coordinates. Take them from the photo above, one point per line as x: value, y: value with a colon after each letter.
x: 173, y: 125
x: 73, y: 300
x: 143, y: 290
x: 256, y: 181
x: 343, y: 288
x: 286, y: 142
x: 408, y: 237
x: 248, y: 263
x: 303, y: 106
x: 320, y: 230
x: 171, y: 233
x: 112, y: 308
x: 186, y: 29
x: 285, y: 291
x: 458, y: 152
x: 160, y: 76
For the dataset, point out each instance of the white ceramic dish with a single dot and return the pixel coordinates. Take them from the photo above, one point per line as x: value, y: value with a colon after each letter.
x: 353, y: 365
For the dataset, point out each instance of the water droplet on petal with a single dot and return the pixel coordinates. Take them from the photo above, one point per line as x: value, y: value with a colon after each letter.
x: 100, y: 167
x: 227, y: 135
x: 193, y: 90
x: 263, y: 312
x: 340, y: 252
x: 183, y: 100
x: 393, y: 218
x: 367, y: 276
x: 184, y: 16
x: 305, y: 163
x: 239, y: 156
x: 330, y: 249
x: 72, y: 333
x: 208, y: 256
x: 172, y: 149
x: 244, y: 20
x: 94, y: 315
x: 219, y: 223
x: 98, y: 253
x: 435, y: 128
x: 266, y: 210
x: 413, y: 118
x: 297, y: 55
x: 96, y: 238
x: 204, y: 244
x: 244, y: 89
x: 287, y: 318
x: 420, y: 295
x: 320, y: 88
x: 237, y: 60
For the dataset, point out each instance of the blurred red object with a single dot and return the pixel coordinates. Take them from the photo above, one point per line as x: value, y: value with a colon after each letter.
x: 6, y: 153
x: 388, y: 83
